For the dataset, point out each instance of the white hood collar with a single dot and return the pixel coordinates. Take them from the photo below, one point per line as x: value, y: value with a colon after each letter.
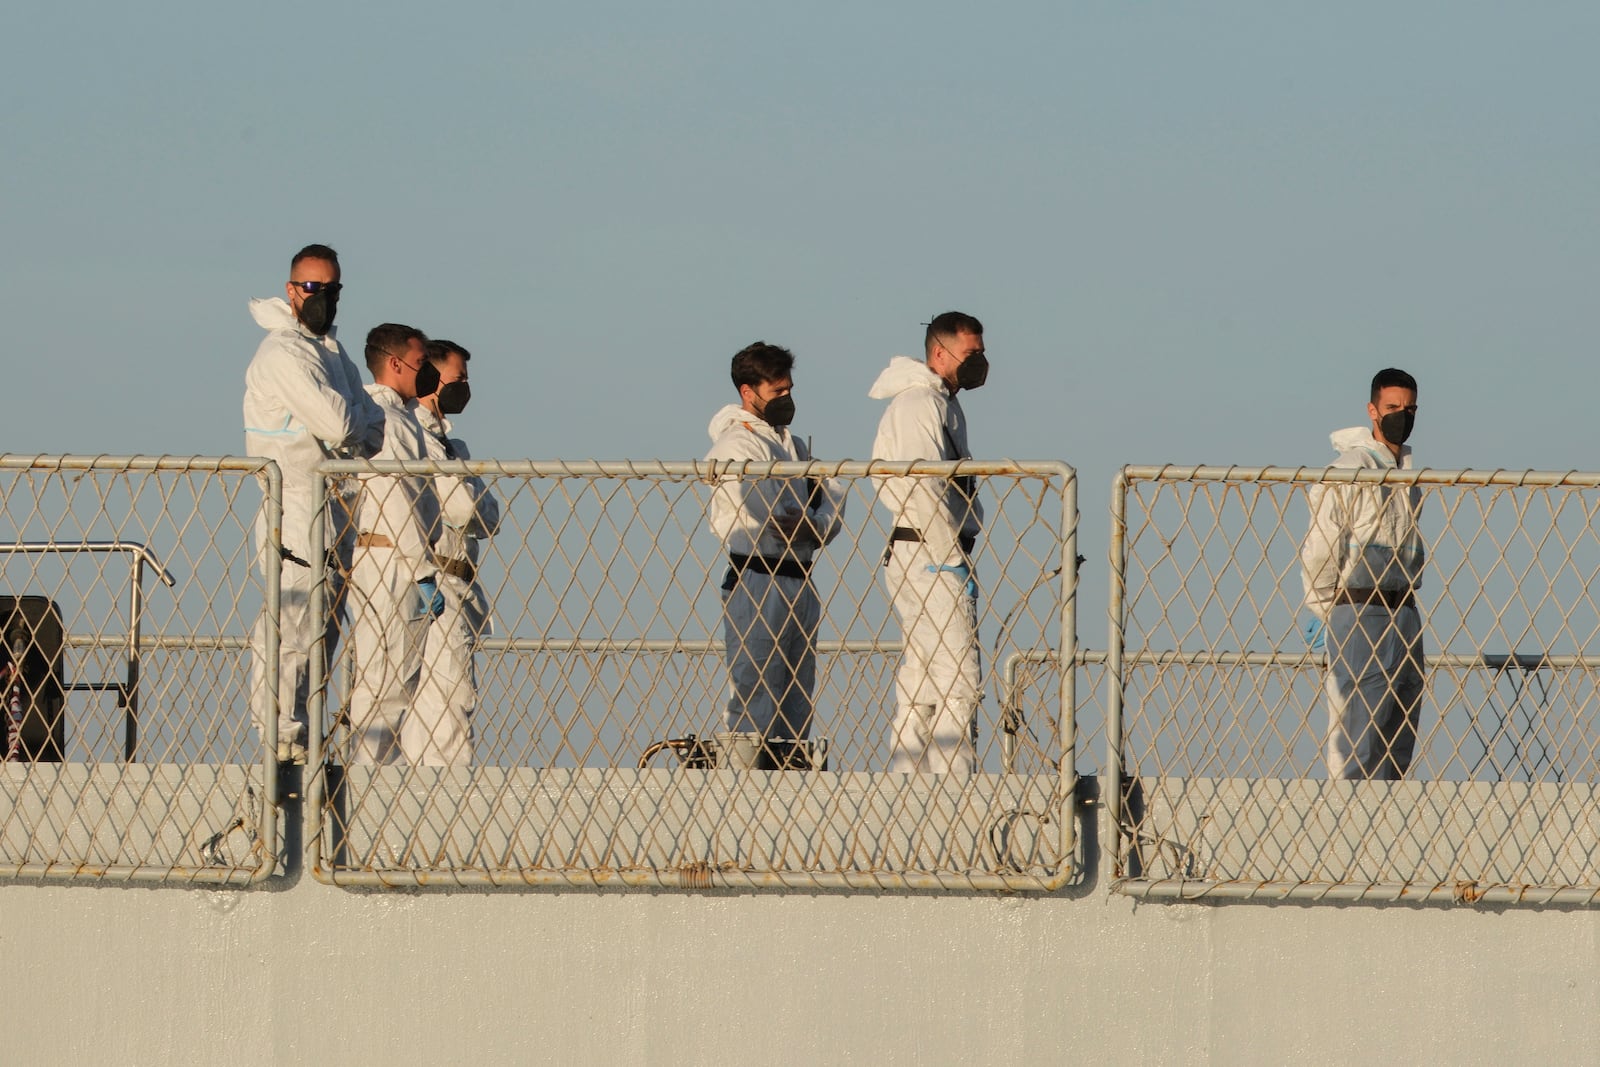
x: 382, y: 393
x: 732, y: 415
x: 902, y: 375
x: 1348, y: 440
x: 431, y: 422
x: 274, y: 313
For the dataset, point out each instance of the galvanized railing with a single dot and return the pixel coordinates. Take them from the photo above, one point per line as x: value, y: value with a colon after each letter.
x: 1218, y: 717
x: 147, y: 770
x: 1206, y: 709
x: 605, y: 582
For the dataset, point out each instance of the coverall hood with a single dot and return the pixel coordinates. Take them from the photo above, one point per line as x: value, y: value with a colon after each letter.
x: 274, y: 313
x: 1360, y: 438
x: 732, y: 415
x: 902, y: 374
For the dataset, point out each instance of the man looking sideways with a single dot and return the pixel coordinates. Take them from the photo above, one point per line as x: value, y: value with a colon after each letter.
x: 929, y: 562
x: 303, y: 402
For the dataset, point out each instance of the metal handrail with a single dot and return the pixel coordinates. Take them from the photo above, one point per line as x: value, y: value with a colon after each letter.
x: 139, y: 557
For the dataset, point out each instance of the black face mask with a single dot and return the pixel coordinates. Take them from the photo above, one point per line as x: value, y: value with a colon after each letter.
x: 317, y: 312
x: 1396, y: 426
x: 779, y: 411
x: 453, y: 397
x: 427, y: 378
x: 973, y: 372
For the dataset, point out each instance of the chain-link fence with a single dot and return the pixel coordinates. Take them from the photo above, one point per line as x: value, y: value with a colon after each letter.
x: 1254, y: 764
x: 128, y: 594
x: 603, y: 739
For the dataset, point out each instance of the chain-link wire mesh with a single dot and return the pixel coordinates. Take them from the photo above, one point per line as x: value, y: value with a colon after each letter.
x: 1233, y: 737
x: 602, y: 746
x: 128, y: 597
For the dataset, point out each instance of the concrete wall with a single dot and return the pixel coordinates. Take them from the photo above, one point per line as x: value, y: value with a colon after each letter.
x: 300, y: 971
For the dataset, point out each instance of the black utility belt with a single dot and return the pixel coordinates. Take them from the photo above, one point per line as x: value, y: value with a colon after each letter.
x: 968, y: 542
x: 1393, y: 599
x: 457, y: 568
x: 783, y: 568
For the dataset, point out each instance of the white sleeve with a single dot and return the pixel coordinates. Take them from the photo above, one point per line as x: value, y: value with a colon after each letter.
x: 465, y: 503
x: 1322, y: 555
x: 912, y: 429
x: 367, y: 414
x: 391, y: 505
x: 825, y: 504
x: 730, y: 511
x: 303, y: 386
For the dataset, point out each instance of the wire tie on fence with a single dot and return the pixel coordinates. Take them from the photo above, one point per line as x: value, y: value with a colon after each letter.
x: 211, y: 850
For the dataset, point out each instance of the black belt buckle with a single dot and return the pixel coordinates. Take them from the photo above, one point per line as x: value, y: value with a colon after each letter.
x: 1393, y: 599
x: 783, y: 568
x: 459, y: 568
x: 899, y: 533
x: 968, y: 542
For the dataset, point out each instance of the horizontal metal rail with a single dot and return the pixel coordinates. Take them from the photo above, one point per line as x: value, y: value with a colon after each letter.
x: 139, y: 552
x: 123, y: 872
x: 1465, y: 892
x: 17, y: 461
x: 1318, y: 475
x: 164, y: 642
x: 704, y: 470
x: 1454, y: 660
x: 661, y: 645
x: 693, y: 877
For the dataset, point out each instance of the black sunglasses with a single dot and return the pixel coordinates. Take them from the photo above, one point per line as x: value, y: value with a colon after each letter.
x: 312, y: 288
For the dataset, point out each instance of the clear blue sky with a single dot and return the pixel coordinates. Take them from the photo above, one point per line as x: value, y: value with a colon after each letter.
x: 1193, y: 231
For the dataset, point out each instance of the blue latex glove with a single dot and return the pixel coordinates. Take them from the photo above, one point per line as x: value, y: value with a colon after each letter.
x: 1316, y: 635
x: 432, y: 599
x: 960, y: 570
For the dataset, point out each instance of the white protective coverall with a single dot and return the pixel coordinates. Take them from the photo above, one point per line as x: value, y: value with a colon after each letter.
x: 303, y: 402
x: 395, y: 515
x: 438, y: 730
x: 1361, y: 567
x: 769, y: 620
x: 930, y: 581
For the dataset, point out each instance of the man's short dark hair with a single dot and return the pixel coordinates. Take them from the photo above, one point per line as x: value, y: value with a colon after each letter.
x: 948, y: 324
x: 761, y: 362
x: 1391, y: 376
x: 314, y: 252
x: 439, y: 351
x: 389, y: 339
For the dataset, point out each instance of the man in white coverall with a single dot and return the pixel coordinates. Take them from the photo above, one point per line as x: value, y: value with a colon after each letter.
x: 437, y: 732
x: 772, y: 528
x: 928, y: 566
x: 303, y: 401
x: 1362, y: 565
x: 393, y: 587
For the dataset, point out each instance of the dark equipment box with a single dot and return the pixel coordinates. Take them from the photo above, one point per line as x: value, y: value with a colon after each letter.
x: 33, y: 636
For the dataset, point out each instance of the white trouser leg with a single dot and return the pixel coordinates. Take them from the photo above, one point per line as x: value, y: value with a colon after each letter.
x: 909, y: 735
x: 1374, y: 689
x: 437, y: 730
x: 796, y: 706
x: 298, y: 632
x: 389, y: 623
x: 769, y: 626
x: 937, y: 687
